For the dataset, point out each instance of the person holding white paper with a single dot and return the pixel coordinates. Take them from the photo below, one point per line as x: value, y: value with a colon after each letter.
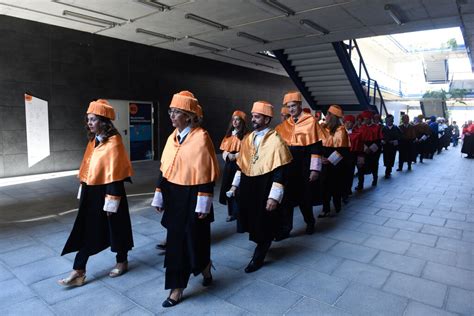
x: 423, y: 132
x: 335, y: 147
x: 391, y: 138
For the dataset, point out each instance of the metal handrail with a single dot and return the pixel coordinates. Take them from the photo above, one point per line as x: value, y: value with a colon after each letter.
x: 375, y: 85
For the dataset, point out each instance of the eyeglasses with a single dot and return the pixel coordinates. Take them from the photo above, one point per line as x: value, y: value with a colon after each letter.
x: 173, y: 112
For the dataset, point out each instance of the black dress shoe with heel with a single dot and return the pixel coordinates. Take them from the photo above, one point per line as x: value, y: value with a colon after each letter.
x: 207, y: 280
x: 253, y: 266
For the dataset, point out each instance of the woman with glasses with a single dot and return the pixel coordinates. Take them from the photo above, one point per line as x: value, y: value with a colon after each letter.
x: 183, y: 193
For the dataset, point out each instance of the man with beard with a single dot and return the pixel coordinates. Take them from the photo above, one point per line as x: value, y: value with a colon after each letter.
x: 299, y: 133
x: 259, y: 182
x: 391, y: 139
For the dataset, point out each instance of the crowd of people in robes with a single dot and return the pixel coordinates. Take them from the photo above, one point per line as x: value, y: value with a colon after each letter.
x: 304, y: 161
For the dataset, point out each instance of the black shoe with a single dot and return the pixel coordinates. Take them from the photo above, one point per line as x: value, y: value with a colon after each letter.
x: 345, y: 199
x: 409, y: 168
x: 169, y: 302
x: 374, y: 183
x: 309, y: 229
x: 253, y: 266
x: 281, y: 236
x: 387, y: 176
x: 161, y: 246
x: 399, y: 169
x: 359, y: 188
x: 230, y: 218
x: 207, y: 280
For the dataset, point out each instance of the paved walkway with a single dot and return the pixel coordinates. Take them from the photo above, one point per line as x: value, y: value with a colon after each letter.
x: 403, y: 248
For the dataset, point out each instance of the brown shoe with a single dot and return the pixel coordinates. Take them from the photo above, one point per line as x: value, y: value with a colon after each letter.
x: 74, y: 279
x: 120, y: 268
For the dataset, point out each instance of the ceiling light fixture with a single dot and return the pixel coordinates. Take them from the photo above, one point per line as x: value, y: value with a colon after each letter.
x: 313, y: 26
x: 212, y: 49
x: 167, y: 37
x: 394, y: 14
x: 206, y: 21
x: 280, y: 7
x: 90, y: 18
x: 87, y: 9
x: 252, y: 37
x: 152, y: 3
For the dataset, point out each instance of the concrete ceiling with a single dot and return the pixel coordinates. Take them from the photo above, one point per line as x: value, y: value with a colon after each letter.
x: 344, y: 19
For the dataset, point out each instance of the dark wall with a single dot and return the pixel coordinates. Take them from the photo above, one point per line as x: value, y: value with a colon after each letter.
x: 70, y: 68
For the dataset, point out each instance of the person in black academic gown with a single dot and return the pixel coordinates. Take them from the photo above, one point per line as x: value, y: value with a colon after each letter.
x: 391, y: 139
x: 103, y: 219
x: 407, y: 143
x: 184, y: 193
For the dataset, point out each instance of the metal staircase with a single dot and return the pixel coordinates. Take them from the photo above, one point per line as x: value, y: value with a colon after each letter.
x: 325, y: 75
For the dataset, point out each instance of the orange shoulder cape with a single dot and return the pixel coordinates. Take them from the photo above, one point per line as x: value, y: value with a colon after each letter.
x: 339, y: 139
x: 106, y: 163
x: 230, y: 144
x: 270, y: 154
x: 301, y: 133
x: 192, y: 162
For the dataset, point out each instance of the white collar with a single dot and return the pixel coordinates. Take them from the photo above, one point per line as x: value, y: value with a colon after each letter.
x: 262, y: 132
x: 234, y: 132
x: 183, y: 133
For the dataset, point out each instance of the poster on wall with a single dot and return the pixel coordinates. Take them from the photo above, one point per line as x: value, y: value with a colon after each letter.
x: 37, y: 129
x: 141, y: 133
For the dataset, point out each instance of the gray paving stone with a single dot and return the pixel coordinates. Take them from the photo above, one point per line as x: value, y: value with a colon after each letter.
x: 201, y: 303
x: 421, y: 210
x: 137, y: 311
x: 465, y: 261
x: 394, y: 214
x: 233, y: 257
x: 255, y: 298
x: 55, y: 240
x: 13, y: 291
x: 432, y: 254
x: 308, y: 306
x: 277, y: 272
x: 449, y: 275
x: 42, y: 269
x: 373, y: 219
x: 354, y: 252
x: 419, y: 289
x: 16, y: 242
x: 348, y: 235
x: 387, y: 244
x: 305, y: 257
x: 418, y: 238
x: 388, y: 206
x: 377, y: 230
x: 460, y: 301
x: 399, y: 263
x: 427, y: 220
x: 419, y: 309
x: 442, y: 231
x: 228, y: 281
x: 455, y: 245
x: 449, y: 215
x: 460, y: 225
x: 53, y: 293
x: 405, y: 225
x: 362, y: 273
x: 5, y: 273
x: 28, y: 307
x: 317, y: 285
x: 364, y: 300
x: 25, y: 255
x: 99, y: 300
x: 468, y: 236
x: 318, y: 242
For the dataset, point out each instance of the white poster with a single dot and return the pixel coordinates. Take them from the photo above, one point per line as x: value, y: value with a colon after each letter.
x: 37, y: 129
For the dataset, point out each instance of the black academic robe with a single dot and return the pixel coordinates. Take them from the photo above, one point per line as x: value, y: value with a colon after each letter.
x: 406, y: 148
x: 93, y: 230
x: 262, y: 225
x: 468, y: 145
x: 188, y: 239
x: 333, y: 176
x: 230, y: 167
x: 389, y: 149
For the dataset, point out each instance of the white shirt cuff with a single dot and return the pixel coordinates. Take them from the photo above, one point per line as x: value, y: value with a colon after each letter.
x: 204, y: 202
x: 335, y: 158
x: 112, y: 203
x: 79, y: 192
x: 316, y: 163
x: 236, y: 181
x: 276, y: 192
x: 157, y: 199
x: 224, y: 155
